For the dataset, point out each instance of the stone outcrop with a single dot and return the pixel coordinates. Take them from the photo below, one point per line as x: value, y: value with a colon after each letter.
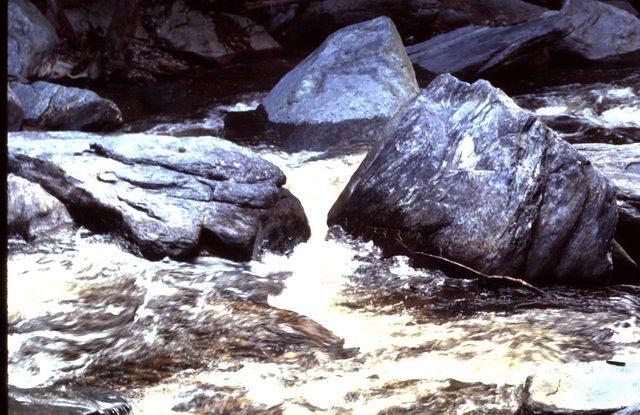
x: 168, y: 196
x: 55, y: 107
x: 32, y: 212
x: 464, y: 173
x: 345, y: 91
x: 473, y: 51
x: 30, y: 40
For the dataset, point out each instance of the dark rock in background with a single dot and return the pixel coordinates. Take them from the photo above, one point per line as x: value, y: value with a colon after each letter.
x: 15, y: 114
x: 30, y: 40
x: 599, y: 30
x: 31, y: 211
x: 169, y: 196
x: 463, y: 172
x: 50, y: 106
x: 69, y: 400
x: 345, y: 91
x: 474, y: 51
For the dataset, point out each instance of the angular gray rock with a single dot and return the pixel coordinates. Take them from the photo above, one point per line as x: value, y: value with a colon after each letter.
x: 216, y: 36
x: 464, y: 173
x: 30, y: 39
x: 14, y: 111
x: 169, y: 196
x: 477, y: 50
x: 600, y: 30
x: 55, y: 107
x: 31, y: 211
x: 345, y: 91
x: 582, y: 388
x: 621, y: 165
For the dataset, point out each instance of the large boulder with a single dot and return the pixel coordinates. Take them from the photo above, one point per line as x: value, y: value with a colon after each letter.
x: 474, y: 51
x: 600, y: 30
x: 55, y: 107
x: 216, y: 36
x: 31, y: 211
x: 30, y: 39
x: 345, y: 91
x: 169, y: 196
x: 621, y: 165
x: 464, y: 173
x: 14, y: 111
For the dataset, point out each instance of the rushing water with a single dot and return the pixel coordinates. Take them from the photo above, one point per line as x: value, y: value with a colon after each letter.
x: 332, y: 328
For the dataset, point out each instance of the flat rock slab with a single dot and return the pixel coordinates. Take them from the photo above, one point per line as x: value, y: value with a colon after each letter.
x: 464, y: 173
x: 345, y: 91
x: 583, y: 388
x: 168, y: 196
x: 31, y: 211
x: 621, y: 165
x: 600, y: 30
x: 56, y: 107
x: 473, y: 51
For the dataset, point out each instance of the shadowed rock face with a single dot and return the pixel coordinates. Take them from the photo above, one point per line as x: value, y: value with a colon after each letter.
x: 600, y: 30
x: 477, y: 50
x: 30, y: 39
x: 67, y: 400
x: 344, y: 91
x: 464, y: 173
x: 168, y: 196
x: 621, y: 165
x: 14, y: 111
x: 56, y: 107
x: 31, y: 211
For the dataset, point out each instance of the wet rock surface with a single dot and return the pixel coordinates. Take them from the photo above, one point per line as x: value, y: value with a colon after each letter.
x: 456, y: 13
x: 600, y: 30
x: 462, y: 172
x: 594, y: 112
x: 476, y: 50
x: 621, y: 165
x: 56, y: 107
x: 169, y: 196
x: 67, y: 400
x: 30, y: 40
x: 14, y: 111
x: 345, y: 91
x: 32, y: 212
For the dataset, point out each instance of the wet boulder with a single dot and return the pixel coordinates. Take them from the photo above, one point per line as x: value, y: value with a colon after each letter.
x: 14, y: 111
x: 30, y: 39
x: 464, y: 173
x: 621, y: 165
x: 31, y: 211
x: 55, y: 107
x: 168, y: 196
x: 474, y: 51
x: 600, y: 30
x: 209, y: 35
x: 458, y: 13
x: 345, y: 91
x: 583, y: 388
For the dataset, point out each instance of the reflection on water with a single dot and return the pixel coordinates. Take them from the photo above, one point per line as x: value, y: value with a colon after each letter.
x: 332, y: 328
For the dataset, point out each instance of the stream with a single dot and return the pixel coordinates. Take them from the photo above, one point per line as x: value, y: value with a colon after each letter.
x: 333, y: 327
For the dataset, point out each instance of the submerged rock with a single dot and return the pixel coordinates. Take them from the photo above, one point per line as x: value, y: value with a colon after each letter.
x: 70, y: 400
x: 582, y: 388
x: 56, y: 107
x: 345, y: 91
x: 31, y: 211
x: 478, y: 50
x: 30, y: 39
x: 463, y: 172
x: 621, y: 165
x: 169, y: 196
x: 14, y: 111
x: 600, y: 30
